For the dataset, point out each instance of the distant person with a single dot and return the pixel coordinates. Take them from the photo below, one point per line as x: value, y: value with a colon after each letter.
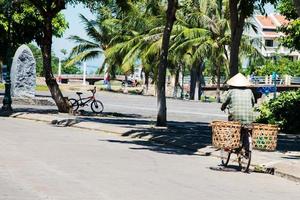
x: 107, y: 81
x: 240, y: 100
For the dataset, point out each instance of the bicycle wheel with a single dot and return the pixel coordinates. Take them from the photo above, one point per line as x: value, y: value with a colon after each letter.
x: 225, y: 157
x: 244, y: 159
x: 74, y: 104
x: 244, y: 154
x: 97, y: 106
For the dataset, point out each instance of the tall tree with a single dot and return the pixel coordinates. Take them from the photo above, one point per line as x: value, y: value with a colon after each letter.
x: 204, y: 36
x: 162, y: 67
x: 20, y: 23
x: 48, y: 10
x: 240, y: 10
x: 291, y: 38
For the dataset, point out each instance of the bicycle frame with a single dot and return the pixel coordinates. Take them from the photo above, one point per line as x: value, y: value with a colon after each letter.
x: 243, y: 151
x: 82, y: 101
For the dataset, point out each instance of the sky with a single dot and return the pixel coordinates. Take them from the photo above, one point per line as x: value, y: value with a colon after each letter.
x: 76, y: 28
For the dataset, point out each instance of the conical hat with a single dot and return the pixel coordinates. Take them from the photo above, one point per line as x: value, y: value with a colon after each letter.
x: 239, y: 80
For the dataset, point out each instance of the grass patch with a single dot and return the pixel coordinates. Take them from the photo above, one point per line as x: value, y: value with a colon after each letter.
x: 38, y: 87
x: 208, y: 99
x: 41, y: 88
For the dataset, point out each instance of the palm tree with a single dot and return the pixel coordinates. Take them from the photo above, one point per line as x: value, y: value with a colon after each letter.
x: 143, y: 45
x: 203, y: 34
x: 86, y: 49
x: 140, y: 39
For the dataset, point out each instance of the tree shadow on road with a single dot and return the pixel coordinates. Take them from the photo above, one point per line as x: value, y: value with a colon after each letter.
x: 37, y: 110
x: 84, y: 113
x: 142, y: 145
x: 189, y: 136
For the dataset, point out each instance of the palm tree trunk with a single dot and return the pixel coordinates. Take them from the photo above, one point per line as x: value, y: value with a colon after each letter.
x: 237, y: 22
x: 146, y: 87
x: 176, y: 83
x: 161, y: 84
x: 297, y: 6
x: 218, y: 70
x: 192, y: 82
x: 56, y: 94
x: 182, y: 80
x: 195, y: 91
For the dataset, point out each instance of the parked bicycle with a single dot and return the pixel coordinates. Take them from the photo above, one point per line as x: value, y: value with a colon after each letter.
x: 96, y: 105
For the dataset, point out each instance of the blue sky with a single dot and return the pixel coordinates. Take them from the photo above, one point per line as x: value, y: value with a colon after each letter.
x: 76, y: 28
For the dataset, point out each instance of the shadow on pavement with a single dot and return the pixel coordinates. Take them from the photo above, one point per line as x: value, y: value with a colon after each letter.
x: 153, y: 146
x: 190, y: 135
x: 35, y: 110
x: 107, y: 114
x: 288, y: 142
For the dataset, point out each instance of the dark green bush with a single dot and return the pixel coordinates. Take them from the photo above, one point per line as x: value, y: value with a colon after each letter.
x: 283, y: 111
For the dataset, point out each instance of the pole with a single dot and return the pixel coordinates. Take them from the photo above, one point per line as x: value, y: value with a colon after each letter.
x: 59, y: 70
x: 6, y: 108
x: 274, y: 77
x: 84, y: 74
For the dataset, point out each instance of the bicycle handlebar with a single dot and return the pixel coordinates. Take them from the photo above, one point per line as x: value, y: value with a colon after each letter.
x: 93, y: 90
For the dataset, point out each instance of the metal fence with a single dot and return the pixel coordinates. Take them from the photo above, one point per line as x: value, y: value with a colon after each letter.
x: 284, y: 80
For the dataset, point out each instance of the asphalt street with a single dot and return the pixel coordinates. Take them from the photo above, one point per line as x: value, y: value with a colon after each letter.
x: 40, y: 161
x: 146, y: 106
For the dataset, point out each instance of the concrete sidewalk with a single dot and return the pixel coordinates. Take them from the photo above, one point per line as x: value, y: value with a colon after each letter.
x: 195, y: 137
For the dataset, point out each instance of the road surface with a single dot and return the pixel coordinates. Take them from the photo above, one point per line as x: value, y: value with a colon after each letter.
x: 42, y: 162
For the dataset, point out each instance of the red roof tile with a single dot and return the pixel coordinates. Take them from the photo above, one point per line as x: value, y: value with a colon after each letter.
x: 281, y: 19
x: 265, y: 21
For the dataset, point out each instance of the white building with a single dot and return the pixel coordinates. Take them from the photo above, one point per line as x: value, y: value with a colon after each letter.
x: 268, y: 36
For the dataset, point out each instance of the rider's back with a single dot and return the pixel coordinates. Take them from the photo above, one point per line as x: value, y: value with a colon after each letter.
x: 240, y: 103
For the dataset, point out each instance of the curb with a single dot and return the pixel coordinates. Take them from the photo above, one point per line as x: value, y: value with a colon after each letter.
x: 198, y: 152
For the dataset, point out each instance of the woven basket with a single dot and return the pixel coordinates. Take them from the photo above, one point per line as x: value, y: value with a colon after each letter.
x: 264, y: 136
x: 226, y: 134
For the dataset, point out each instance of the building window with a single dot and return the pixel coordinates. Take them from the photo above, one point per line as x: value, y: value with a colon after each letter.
x: 269, y: 30
x: 269, y: 43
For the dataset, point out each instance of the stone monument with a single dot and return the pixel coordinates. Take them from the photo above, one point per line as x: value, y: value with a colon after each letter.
x: 23, y: 73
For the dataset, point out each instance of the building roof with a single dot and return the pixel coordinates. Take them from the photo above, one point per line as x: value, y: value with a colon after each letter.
x: 271, y: 21
x: 265, y: 21
x: 281, y: 19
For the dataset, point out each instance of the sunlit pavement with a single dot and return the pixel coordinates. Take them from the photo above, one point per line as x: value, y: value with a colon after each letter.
x: 39, y: 161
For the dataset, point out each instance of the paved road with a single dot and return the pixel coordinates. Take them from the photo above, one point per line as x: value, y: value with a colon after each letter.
x: 146, y: 106
x: 38, y: 161
x: 178, y: 110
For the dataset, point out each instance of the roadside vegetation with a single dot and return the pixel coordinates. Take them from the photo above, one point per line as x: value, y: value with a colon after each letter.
x: 283, y: 111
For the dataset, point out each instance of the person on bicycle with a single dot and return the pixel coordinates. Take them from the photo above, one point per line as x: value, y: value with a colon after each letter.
x: 239, y: 100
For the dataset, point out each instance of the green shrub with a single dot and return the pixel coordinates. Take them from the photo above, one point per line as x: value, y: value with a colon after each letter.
x: 283, y: 111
